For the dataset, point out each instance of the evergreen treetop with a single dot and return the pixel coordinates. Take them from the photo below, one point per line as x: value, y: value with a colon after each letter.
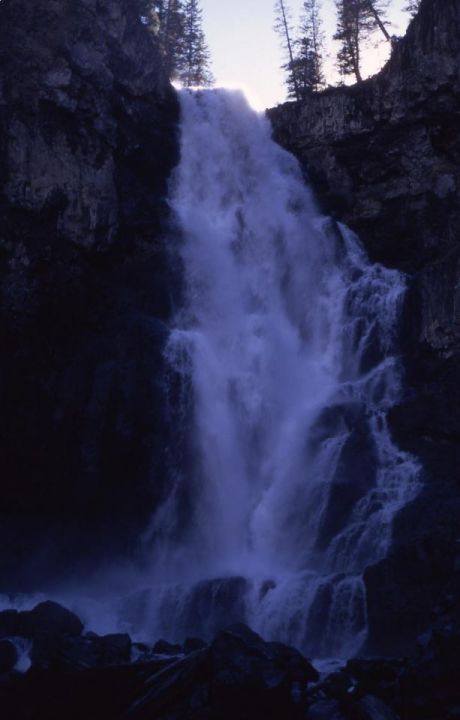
x: 177, y: 25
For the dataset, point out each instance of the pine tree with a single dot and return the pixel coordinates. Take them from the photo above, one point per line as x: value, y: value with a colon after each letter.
x: 412, y: 7
x: 376, y: 12
x: 308, y: 59
x: 164, y: 19
x: 194, y: 62
x: 283, y: 28
x: 356, y: 22
x: 350, y: 33
x: 171, y: 33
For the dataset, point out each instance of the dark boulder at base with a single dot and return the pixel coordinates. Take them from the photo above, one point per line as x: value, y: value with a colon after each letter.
x: 46, y: 618
x: 325, y: 710
x: 50, y: 618
x: 8, y: 656
x: 193, y: 644
x: 162, y: 647
x: 371, y: 708
x: 246, y: 670
x: 10, y: 623
x: 237, y: 676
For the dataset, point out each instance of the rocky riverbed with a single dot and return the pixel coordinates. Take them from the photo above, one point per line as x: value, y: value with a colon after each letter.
x: 50, y: 667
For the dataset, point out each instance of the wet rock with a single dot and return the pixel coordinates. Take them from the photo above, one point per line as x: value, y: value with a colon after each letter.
x: 85, y: 652
x: 337, y: 685
x: 371, y: 708
x: 325, y: 710
x: 376, y: 677
x: 11, y: 623
x: 250, y: 675
x: 50, y: 618
x: 417, y: 688
x: 8, y: 656
x: 369, y: 670
x: 162, y: 647
x: 239, y: 675
x: 407, y: 582
x: 114, y: 649
x: 71, y: 653
x: 214, y: 605
x: 354, y: 476
x: 193, y: 644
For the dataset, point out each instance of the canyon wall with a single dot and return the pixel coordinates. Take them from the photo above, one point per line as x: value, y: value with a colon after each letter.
x: 384, y: 157
x: 87, y: 142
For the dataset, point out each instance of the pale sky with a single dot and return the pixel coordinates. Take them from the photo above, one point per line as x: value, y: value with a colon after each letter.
x: 246, y: 51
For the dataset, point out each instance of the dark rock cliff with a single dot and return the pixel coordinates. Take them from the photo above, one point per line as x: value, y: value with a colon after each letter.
x: 384, y: 157
x: 87, y: 142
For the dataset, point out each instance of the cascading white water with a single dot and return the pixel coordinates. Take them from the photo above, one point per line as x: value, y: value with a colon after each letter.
x: 286, y: 342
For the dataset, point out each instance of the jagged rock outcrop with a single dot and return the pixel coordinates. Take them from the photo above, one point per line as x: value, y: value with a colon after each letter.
x: 88, y: 140
x: 85, y: 676
x: 51, y: 668
x: 384, y: 157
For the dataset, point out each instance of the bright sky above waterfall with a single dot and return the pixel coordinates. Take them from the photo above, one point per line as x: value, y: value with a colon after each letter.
x: 246, y: 53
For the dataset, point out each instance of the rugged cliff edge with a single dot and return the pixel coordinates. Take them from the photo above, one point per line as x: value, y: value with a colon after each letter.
x: 87, y: 142
x: 384, y: 157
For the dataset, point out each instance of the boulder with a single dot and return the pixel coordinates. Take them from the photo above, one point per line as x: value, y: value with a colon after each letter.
x: 325, y: 710
x: 337, y: 685
x: 46, y: 618
x: 254, y: 677
x: 114, y: 649
x: 162, y: 647
x: 50, y: 619
x: 193, y: 644
x: 8, y: 656
x: 237, y: 676
x: 371, y: 708
x: 11, y: 624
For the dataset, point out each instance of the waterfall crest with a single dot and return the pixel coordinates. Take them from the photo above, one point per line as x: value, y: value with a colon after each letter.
x: 285, y: 352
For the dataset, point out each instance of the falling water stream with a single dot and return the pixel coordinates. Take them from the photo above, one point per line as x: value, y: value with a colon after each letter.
x: 285, y: 349
x: 285, y: 480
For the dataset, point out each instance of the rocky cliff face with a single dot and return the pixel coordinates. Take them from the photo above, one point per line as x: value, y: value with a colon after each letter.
x: 384, y: 157
x: 87, y: 142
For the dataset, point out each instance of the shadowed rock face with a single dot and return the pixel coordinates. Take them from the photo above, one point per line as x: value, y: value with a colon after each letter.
x: 87, y: 142
x: 384, y: 157
x: 64, y: 672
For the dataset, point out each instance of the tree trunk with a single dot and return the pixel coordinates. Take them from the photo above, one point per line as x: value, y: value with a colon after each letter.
x: 291, y: 55
x: 378, y: 20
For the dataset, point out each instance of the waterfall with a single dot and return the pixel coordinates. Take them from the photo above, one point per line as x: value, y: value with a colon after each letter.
x: 285, y: 351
